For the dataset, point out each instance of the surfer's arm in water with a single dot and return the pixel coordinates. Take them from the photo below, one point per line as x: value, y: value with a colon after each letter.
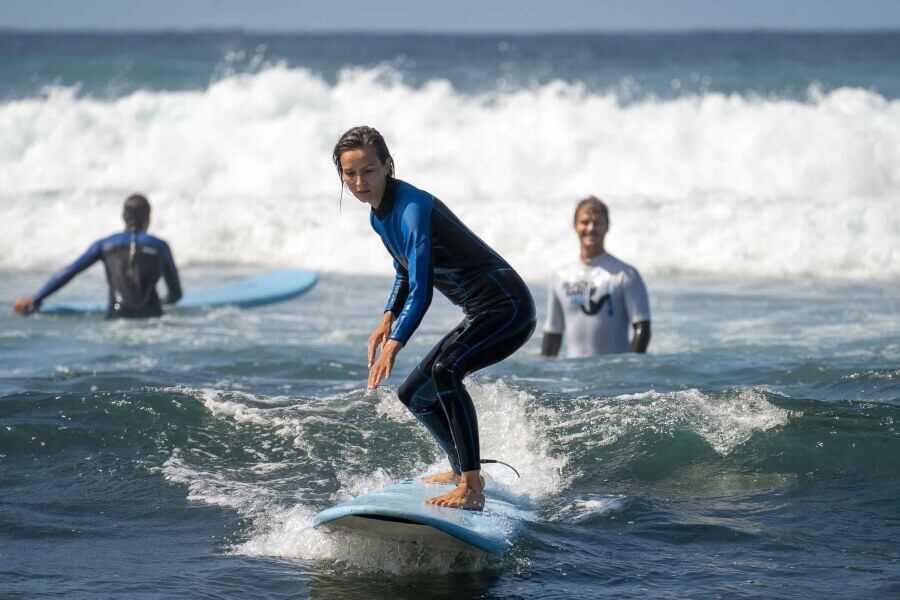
x: 416, y: 234
x: 30, y: 304
x: 170, y: 274
x: 641, y: 338
x: 637, y: 306
x: 551, y: 344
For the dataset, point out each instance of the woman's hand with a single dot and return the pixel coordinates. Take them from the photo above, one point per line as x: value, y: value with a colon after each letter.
x: 379, y: 336
x: 382, y: 368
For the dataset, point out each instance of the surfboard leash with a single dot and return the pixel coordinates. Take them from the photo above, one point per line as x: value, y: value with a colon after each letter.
x: 500, y: 462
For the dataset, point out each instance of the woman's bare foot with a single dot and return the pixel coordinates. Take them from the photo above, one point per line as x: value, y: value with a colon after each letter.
x: 445, y: 477
x: 468, y: 495
x: 459, y: 497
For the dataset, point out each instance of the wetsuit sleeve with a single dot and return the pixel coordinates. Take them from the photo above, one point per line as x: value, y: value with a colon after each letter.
x: 90, y: 256
x: 551, y: 344
x: 415, y: 228
x: 170, y: 274
x: 555, y: 322
x: 399, y: 292
x: 636, y: 301
x: 641, y: 338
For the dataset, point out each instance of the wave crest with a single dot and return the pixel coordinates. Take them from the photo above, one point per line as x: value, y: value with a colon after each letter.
x: 240, y: 173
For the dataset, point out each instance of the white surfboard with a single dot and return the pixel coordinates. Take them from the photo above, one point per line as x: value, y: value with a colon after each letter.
x: 398, y: 512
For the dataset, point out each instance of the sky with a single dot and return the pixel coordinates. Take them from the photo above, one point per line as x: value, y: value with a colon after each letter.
x: 457, y: 16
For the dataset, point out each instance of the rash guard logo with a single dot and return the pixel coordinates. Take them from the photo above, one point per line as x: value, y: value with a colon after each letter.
x: 594, y: 306
x: 590, y: 297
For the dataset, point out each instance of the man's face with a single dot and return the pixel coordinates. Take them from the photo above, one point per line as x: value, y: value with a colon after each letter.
x: 591, y: 228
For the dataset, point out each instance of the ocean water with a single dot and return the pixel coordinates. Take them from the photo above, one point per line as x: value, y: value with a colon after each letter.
x: 752, y: 178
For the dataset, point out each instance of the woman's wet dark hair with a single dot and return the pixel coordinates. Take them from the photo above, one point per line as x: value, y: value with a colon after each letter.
x: 359, y: 137
x: 136, y: 212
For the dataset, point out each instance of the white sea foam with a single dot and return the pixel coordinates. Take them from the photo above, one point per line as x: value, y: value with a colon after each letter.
x: 725, y: 421
x: 271, y: 493
x: 241, y: 172
x: 589, y: 508
x: 288, y: 532
x: 513, y: 429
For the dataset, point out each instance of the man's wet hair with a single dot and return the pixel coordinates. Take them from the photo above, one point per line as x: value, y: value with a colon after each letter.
x: 593, y: 204
x: 136, y: 212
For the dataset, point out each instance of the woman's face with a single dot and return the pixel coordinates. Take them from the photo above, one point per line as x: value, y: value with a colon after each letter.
x: 364, y: 174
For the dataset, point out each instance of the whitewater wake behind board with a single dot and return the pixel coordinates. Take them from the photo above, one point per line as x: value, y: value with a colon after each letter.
x: 259, y: 290
x: 398, y: 512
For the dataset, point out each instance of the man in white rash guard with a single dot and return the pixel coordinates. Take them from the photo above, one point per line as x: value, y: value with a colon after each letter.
x: 596, y: 300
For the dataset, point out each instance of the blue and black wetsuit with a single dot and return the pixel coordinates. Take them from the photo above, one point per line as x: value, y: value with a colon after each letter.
x: 134, y: 262
x: 432, y: 248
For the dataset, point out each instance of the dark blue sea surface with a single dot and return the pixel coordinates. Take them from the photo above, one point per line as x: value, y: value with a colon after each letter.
x: 754, y: 452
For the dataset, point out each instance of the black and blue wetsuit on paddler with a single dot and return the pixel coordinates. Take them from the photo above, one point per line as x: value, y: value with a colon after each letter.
x: 134, y: 262
x: 432, y: 248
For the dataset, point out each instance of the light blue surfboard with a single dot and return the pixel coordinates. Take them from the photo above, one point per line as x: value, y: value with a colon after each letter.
x: 268, y: 288
x: 398, y: 512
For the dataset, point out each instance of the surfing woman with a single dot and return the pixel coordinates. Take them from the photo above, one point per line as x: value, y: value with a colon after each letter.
x: 432, y: 248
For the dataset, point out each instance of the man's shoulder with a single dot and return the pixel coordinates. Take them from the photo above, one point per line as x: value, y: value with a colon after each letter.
x: 568, y: 271
x: 615, y: 266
